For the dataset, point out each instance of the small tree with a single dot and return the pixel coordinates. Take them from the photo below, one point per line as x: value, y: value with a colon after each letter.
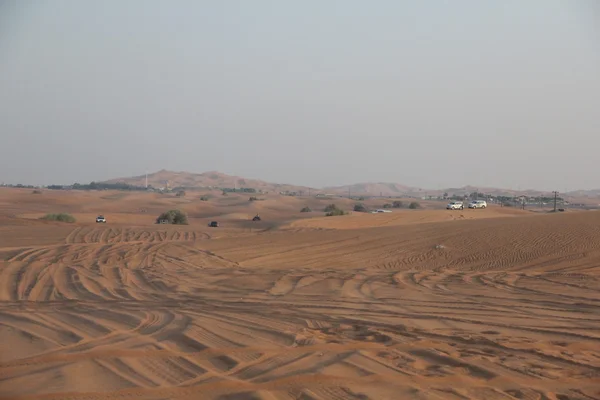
x: 360, y: 207
x: 414, y: 205
x: 176, y: 217
x: 397, y: 204
x: 306, y: 209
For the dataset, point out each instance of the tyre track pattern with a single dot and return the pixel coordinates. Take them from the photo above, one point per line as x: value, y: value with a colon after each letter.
x: 170, y: 315
x: 125, y: 235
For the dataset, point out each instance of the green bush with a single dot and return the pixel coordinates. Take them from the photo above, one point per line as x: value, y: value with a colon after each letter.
x: 414, y: 205
x: 335, y: 212
x: 204, y: 198
x: 252, y: 198
x: 62, y: 217
x: 331, y: 207
x: 175, y: 217
x: 181, y: 193
x: 398, y: 204
x: 360, y: 207
x: 306, y: 209
x: 387, y: 205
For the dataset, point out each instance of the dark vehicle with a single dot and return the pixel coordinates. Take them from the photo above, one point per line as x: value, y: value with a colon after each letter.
x: 214, y: 224
x: 256, y: 218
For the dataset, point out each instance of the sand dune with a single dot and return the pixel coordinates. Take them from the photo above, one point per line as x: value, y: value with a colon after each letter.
x: 427, y: 304
x: 405, y: 217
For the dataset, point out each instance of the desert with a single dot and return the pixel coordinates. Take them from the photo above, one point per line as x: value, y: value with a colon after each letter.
x: 500, y: 303
x: 286, y: 200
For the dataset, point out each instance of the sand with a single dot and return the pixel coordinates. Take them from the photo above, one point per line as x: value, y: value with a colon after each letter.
x: 427, y: 304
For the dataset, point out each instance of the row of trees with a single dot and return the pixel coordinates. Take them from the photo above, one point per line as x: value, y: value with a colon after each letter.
x: 99, y: 186
x: 400, y: 204
x: 239, y: 190
x: 333, y: 210
x: 180, y: 190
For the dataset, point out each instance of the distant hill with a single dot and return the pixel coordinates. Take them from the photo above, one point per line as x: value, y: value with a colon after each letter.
x: 217, y: 179
x: 594, y: 193
x: 164, y: 178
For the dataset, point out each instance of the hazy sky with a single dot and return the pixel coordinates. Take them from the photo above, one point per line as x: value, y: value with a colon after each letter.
x: 425, y: 93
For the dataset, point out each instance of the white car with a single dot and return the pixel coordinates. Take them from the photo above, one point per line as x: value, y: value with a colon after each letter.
x: 478, y: 204
x: 455, y: 205
x: 100, y: 219
x: 380, y: 211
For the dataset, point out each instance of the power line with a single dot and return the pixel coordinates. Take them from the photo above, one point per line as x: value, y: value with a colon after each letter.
x: 555, y: 197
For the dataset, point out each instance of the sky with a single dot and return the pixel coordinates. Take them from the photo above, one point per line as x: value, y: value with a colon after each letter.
x: 431, y: 94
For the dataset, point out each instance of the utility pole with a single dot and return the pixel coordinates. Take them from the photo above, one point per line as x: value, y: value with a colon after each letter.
x: 555, y: 196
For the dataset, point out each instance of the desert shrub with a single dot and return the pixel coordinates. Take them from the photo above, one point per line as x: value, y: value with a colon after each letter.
x: 306, y: 209
x: 360, y: 207
x: 397, y: 204
x: 181, y: 193
x: 36, y: 191
x: 330, y: 207
x: 62, y: 217
x: 203, y: 198
x: 414, y: 205
x: 176, y: 217
x: 387, y: 205
x: 335, y: 212
x: 252, y: 198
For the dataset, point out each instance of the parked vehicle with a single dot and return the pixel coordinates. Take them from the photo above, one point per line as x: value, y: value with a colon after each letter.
x: 455, y: 205
x: 478, y: 204
x: 100, y: 219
